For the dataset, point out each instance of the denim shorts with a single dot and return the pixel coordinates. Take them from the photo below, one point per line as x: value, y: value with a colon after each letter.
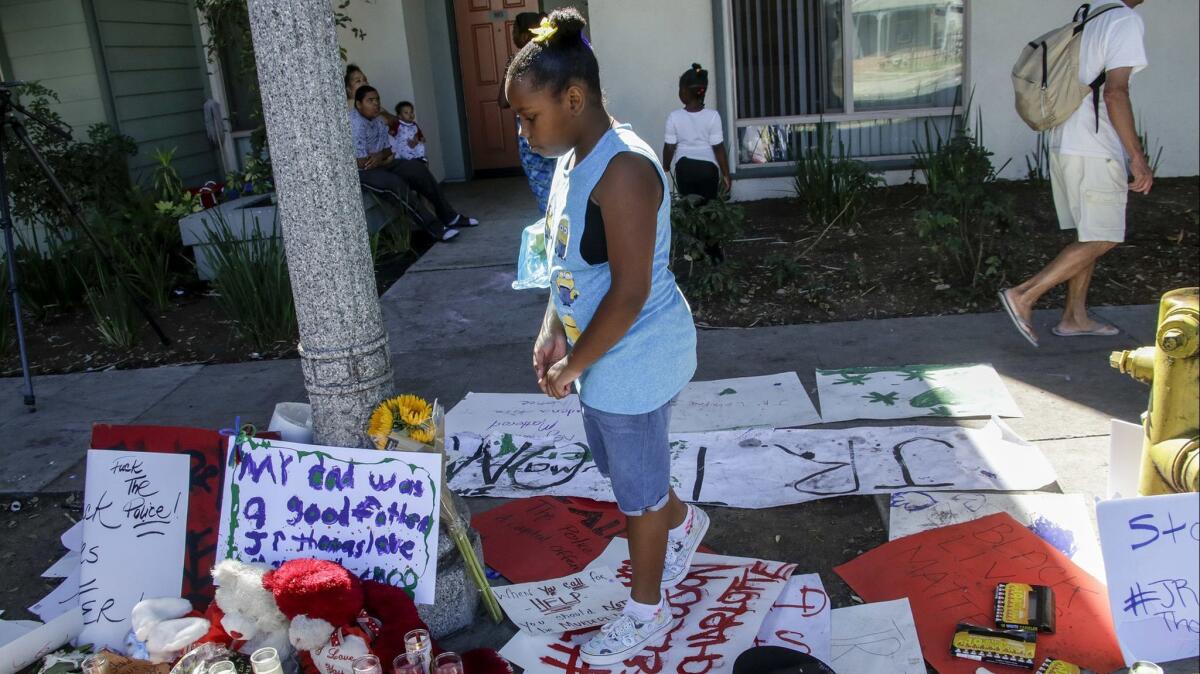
x: 634, y: 452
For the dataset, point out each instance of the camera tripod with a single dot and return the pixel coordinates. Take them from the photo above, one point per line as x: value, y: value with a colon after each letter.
x: 10, y: 120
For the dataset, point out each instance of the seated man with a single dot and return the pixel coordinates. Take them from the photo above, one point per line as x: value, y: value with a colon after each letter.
x: 380, y: 171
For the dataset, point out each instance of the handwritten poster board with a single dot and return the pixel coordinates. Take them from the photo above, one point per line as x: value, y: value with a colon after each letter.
x: 134, y: 523
x: 1062, y: 520
x: 799, y: 619
x: 1152, y: 554
x: 774, y: 401
x: 374, y: 512
x: 910, y: 391
x: 546, y: 537
x: 950, y: 574
x: 578, y: 601
x: 761, y: 469
x: 720, y: 606
x: 877, y: 638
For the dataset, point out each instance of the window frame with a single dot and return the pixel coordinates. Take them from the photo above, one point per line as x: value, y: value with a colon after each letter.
x: 729, y: 76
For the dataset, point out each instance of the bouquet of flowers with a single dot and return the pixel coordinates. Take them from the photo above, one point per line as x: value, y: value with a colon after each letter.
x: 410, y: 423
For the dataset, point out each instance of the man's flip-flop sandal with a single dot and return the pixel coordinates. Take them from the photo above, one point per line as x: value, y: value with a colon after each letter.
x: 1102, y: 331
x: 1021, y: 326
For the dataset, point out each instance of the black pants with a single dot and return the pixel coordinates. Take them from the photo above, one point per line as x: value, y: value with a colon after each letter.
x: 693, y: 176
x: 399, y: 179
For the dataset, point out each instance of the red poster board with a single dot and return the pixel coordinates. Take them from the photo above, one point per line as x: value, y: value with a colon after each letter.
x: 546, y: 537
x: 950, y: 575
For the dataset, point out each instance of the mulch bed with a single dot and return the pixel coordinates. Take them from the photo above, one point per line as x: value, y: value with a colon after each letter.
x: 198, y: 329
x: 880, y: 269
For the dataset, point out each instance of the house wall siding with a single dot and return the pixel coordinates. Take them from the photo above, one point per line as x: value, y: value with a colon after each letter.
x: 47, y: 41
x: 157, y: 76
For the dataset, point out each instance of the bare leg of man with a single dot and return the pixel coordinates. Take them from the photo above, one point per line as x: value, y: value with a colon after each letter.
x: 1073, y: 259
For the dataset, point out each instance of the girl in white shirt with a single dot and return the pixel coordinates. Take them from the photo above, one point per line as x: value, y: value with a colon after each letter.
x: 695, y: 142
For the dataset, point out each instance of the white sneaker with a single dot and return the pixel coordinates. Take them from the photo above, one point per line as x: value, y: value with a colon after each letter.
x: 681, y: 551
x: 623, y: 637
x: 450, y: 234
x: 461, y: 220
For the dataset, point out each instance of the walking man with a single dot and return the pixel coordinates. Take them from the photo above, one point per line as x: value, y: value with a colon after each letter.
x: 1088, y: 176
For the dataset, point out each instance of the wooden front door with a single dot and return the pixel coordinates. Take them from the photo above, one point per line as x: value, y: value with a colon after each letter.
x: 484, y: 46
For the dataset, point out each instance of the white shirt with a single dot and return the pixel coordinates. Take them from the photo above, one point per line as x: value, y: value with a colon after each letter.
x: 1112, y: 40
x: 405, y: 132
x: 693, y: 134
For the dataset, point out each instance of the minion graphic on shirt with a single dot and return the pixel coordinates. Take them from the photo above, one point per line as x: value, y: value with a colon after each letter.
x: 571, y: 327
x: 564, y: 285
x: 563, y: 238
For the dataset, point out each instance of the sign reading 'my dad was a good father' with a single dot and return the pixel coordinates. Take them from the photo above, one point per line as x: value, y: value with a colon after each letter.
x: 374, y: 512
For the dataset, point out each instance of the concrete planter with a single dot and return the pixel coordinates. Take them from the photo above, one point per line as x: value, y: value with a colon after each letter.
x: 254, y: 218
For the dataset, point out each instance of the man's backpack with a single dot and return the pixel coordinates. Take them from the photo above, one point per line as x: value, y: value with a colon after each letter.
x: 1046, y: 76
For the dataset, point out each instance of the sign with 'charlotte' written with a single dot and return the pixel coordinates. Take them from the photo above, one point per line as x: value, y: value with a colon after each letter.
x: 373, y: 512
x: 1151, y: 551
x: 134, y: 523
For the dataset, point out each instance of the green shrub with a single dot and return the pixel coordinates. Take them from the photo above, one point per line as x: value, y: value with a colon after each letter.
x: 698, y: 234
x: 253, y: 287
x: 54, y: 273
x: 117, y: 319
x: 964, y: 222
x: 784, y: 269
x: 1037, y: 165
x: 831, y: 186
x: 1152, y: 156
x: 8, y: 330
x: 91, y: 171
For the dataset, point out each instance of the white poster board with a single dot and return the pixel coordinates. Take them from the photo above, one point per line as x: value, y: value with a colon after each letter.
x: 720, y: 606
x: 770, y: 401
x: 134, y: 525
x: 1062, y: 520
x: 911, y: 391
x: 32, y: 646
x: 1152, y: 555
x: 774, y: 401
x: 581, y: 600
x: 374, y: 512
x: 1124, y: 458
x: 761, y: 469
x: 800, y: 618
x: 879, y: 638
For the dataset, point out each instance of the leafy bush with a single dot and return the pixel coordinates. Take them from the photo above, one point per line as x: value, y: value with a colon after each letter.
x: 698, y: 231
x: 1152, y: 156
x: 91, y: 171
x: 54, y: 273
x: 785, y: 269
x: 117, y: 319
x: 253, y: 287
x: 964, y: 222
x: 1037, y: 165
x: 831, y: 186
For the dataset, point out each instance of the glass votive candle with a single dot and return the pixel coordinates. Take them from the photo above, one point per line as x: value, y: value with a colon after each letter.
x: 418, y: 643
x: 94, y: 664
x: 266, y: 661
x: 447, y: 663
x: 222, y: 667
x: 408, y: 663
x: 367, y: 664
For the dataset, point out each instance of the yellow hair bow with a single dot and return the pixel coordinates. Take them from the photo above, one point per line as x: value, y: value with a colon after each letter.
x: 544, y: 31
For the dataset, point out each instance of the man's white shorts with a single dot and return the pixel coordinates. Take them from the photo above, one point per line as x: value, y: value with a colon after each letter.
x: 1090, y: 195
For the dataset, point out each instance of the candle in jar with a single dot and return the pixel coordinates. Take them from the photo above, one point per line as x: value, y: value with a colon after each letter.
x: 266, y: 661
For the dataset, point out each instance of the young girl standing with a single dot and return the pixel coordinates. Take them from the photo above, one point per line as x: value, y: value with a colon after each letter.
x: 695, y: 141
x: 617, y: 325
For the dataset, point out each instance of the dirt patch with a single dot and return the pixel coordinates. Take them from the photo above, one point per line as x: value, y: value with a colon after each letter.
x: 31, y: 531
x: 200, y: 332
x: 880, y: 269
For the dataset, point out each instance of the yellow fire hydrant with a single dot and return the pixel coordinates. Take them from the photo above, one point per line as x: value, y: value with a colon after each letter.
x: 1170, y: 456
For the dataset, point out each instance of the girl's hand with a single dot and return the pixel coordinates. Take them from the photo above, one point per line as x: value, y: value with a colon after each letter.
x: 559, y: 379
x: 550, y: 347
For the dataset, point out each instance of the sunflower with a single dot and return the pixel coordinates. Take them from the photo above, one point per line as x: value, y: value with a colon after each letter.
x: 413, y: 410
x: 382, y: 422
x: 422, y: 434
